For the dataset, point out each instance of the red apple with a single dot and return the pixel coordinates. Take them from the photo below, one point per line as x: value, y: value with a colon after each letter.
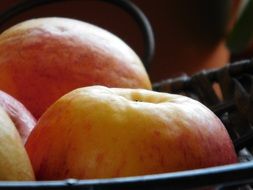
x: 20, y: 116
x: 42, y: 59
x: 100, y: 132
x: 14, y: 161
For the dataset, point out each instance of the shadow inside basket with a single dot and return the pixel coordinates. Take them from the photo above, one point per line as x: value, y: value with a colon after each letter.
x: 228, y: 92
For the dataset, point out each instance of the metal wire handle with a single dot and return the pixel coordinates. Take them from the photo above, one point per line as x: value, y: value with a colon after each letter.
x: 126, y: 5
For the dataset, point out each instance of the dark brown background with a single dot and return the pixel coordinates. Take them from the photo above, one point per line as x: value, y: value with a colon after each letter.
x: 185, y: 30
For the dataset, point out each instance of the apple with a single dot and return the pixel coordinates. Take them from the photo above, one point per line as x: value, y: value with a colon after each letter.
x: 43, y: 59
x: 100, y: 132
x: 20, y: 116
x: 14, y: 161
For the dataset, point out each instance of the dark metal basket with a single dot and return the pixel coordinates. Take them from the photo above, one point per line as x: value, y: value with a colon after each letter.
x: 227, y: 91
x: 232, y: 104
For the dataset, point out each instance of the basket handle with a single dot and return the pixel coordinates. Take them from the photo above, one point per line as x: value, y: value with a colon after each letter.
x: 126, y: 5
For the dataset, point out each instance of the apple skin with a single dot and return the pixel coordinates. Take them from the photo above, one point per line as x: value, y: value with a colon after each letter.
x: 49, y: 57
x: 14, y: 161
x: 100, y: 132
x: 20, y: 116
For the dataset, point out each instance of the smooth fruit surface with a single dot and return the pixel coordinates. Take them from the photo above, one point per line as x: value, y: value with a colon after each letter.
x: 20, y: 116
x: 42, y: 59
x: 14, y: 161
x: 99, y: 132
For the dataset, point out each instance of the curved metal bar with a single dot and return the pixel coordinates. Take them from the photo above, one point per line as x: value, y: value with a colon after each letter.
x: 127, y: 5
x: 221, y: 176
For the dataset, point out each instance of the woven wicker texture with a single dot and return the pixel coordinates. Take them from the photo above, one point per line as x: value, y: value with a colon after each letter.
x: 227, y: 91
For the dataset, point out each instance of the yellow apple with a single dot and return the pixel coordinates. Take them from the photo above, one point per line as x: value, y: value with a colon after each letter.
x: 42, y: 59
x: 14, y: 161
x: 20, y: 116
x: 100, y: 132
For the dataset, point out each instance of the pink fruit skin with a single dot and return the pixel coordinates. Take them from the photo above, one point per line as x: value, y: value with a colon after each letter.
x: 20, y: 116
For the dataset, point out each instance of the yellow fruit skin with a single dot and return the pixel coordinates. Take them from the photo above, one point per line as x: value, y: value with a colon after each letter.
x: 14, y: 162
x: 99, y: 132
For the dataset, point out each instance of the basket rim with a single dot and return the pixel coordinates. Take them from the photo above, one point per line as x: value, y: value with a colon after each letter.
x: 233, y: 174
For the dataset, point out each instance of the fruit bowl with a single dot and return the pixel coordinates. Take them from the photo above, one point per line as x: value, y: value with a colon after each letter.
x: 233, y: 109
x: 226, y: 91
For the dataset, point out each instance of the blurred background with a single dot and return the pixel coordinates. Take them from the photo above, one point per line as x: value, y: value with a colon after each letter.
x: 189, y: 35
